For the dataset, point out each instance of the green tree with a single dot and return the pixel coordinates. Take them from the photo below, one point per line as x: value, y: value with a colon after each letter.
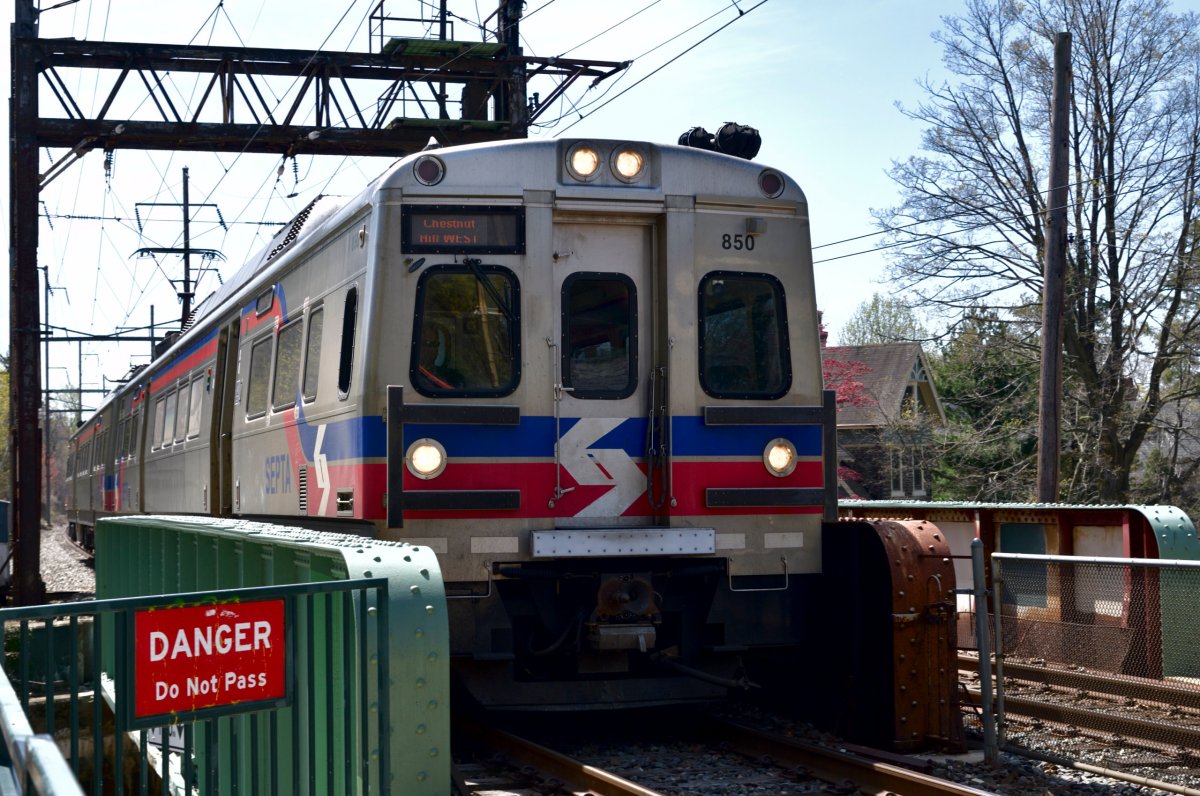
x: 882, y: 319
x: 970, y: 223
x: 987, y: 377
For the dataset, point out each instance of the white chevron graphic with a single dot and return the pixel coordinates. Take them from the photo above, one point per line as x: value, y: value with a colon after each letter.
x: 601, y: 467
x: 322, y: 465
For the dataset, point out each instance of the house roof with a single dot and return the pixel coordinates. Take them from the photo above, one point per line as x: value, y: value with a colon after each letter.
x: 889, y: 369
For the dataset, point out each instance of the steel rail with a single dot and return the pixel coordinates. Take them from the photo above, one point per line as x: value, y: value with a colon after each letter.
x: 836, y: 765
x: 576, y: 777
x: 1098, y: 683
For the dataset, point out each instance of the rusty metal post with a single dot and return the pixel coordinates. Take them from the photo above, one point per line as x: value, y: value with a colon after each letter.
x: 25, y: 386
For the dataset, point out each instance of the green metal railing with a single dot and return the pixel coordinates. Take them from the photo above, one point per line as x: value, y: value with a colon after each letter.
x: 333, y: 737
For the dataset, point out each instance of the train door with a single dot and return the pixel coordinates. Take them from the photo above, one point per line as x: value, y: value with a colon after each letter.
x: 609, y: 379
x: 221, y: 429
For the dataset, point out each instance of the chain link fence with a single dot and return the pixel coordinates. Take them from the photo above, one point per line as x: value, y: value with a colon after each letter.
x: 1095, y: 652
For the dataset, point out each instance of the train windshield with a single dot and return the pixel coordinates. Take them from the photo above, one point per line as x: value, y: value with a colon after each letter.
x: 743, y: 345
x: 465, y: 340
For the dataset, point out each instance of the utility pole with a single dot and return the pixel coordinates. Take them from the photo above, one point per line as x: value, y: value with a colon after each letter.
x: 185, y: 293
x: 1050, y: 399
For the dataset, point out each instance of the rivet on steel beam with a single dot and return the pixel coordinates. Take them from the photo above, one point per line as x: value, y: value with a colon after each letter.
x: 433, y: 656
x: 378, y: 559
x: 422, y: 776
x: 901, y: 656
x: 419, y: 633
x: 433, y: 704
x: 367, y: 574
x: 433, y: 752
x: 904, y: 719
x: 900, y: 594
x: 374, y: 707
x: 372, y: 610
x: 420, y: 729
x: 415, y: 589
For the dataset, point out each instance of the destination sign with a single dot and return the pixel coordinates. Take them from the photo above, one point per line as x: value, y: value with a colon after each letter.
x: 189, y: 659
x: 445, y: 229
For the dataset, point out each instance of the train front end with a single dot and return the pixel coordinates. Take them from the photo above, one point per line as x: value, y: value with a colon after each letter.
x: 604, y: 411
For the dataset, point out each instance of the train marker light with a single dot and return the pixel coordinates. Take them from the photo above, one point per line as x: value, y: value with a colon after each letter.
x: 583, y: 162
x: 771, y: 183
x: 429, y: 170
x: 628, y: 164
x: 780, y: 457
x: 426, y: 458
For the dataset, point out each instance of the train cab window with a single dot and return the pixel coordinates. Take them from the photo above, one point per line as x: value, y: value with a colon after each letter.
x: 466, y: 339
x: 599, y: 322
x: 259, y: 381
x: 196, y: 407
x: 287, y: 365
x: 743, y: 336
x: 346, y: 360
x: 312, y: 353
x: 168, y: 427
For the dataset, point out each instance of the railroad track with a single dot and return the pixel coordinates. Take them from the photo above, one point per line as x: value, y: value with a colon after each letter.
x: 1062, y: 689
x: 539, y: 769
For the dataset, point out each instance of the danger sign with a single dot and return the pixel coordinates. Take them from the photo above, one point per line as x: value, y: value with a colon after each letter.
x: 190, y: 659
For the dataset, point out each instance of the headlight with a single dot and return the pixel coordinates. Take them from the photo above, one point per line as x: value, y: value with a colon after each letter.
x: 426, y: 458
x: 583, y: 161
x: 780, y: 457
x: 628, y: 164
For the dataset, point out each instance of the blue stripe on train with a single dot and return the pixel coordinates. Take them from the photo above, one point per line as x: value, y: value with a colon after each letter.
x: 534, y: 438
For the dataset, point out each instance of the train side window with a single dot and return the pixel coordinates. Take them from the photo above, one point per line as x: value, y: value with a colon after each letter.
x: 260, y: 378
x: 197, y: 407
x: 168, y: 429
x: 287, y: 365
x: 744, y: 349
x: 312, y: 353
x: 349, y: 323
x: 466, y: 339
x: 160, y: 415
x: 599, y: 322
x: 183, y: 412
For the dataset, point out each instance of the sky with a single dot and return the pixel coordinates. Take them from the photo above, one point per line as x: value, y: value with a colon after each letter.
x: 820, y: 79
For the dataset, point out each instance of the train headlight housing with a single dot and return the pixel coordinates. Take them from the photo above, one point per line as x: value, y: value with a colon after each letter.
x: 583, y: 162
x: 426, y: 458
x: 628, y: 163
x: 780, y: 457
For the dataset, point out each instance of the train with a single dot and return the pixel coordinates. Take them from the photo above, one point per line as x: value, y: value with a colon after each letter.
x: 586, y: 373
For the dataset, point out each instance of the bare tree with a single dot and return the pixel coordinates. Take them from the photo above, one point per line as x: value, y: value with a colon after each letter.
x: 973, y: 205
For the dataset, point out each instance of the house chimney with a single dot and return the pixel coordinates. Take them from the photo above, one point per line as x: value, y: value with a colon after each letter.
x: 821, y: 330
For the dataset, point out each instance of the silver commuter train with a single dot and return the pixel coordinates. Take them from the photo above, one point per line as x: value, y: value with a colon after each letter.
x: 585, y: 372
